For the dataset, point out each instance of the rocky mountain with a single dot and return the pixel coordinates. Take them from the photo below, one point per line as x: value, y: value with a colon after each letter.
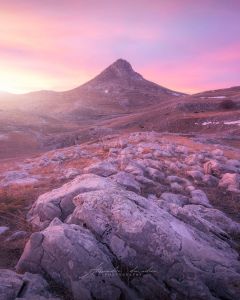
x: 117, y: 89
x: 46, y: 119
x: 121, y: 85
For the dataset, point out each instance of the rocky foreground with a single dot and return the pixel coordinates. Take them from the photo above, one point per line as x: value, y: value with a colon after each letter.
x: 142, y: 223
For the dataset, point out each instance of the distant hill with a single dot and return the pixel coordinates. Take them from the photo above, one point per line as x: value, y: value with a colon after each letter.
x: 118, y: 99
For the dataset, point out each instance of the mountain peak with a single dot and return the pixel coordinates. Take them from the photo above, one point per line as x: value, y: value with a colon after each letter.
x: 120, y: 83
x: 120, y: 69
x: 122, y: 64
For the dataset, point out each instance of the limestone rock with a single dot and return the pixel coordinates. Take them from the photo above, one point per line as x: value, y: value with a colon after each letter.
x: 3, y: 229
x: 177, y: 199
x: 199, y: 197
x: 177, y: 179
x: 217, y: 152
x: 215, y: 168
x: 176, y: 187
x: 74, y: 258
x: 104, y: 169
x: 230, y: 181
x: 58, y: 202
x: 210, y: 180
x: 212, y: 167
x: 155, y: 174
x: 127, y: 180
x: 208, y: 220
x: 139, y: 233
x: 196, y: 175
x: 27, y: 286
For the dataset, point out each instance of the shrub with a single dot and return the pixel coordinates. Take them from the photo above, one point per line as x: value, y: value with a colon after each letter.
x: 228, y: 104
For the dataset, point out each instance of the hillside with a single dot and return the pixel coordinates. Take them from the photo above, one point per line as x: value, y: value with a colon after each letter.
x: 46, y: 120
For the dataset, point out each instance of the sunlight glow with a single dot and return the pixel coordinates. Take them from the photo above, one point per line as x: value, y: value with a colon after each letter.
x: 58, y: 47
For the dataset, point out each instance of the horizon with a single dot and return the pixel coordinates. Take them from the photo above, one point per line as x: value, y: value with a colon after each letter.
x: 59, y: 91
x: 187, y: 47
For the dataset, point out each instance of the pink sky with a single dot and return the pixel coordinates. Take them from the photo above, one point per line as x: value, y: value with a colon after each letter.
x: 185, y: 45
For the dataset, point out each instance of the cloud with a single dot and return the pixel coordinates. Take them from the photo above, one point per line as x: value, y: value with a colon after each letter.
x: 181, y: 44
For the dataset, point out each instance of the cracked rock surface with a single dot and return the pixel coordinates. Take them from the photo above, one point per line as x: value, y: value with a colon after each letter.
x: 73, y: 257
x: 28, y: 286
x: 180, y: 248
x: 140, y: 225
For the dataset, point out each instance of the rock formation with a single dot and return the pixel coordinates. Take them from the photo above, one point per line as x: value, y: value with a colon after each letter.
x: 122, y: 231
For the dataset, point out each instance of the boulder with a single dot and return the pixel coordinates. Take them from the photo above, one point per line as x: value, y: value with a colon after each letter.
x: 27, y: 286
x: 194, y: 159
x: 185, y: 253
x: 59, y: 156
x: 141, y: 235
x: 3, y: 229
x: 182, y: 150
x: 177, y: 179
x: 195, y: 175
x: 71, y: 173
x: 154, y: 164
x: 161, y: 153
x: 135, y: 168
x: 212, y: 167
x: 200, y: 198
x: 171, y: 167
x: 176, y: 187
x: 145, y: 182
x: 217, y: 152
x: 58, y: 202
x: 230, y: 181
x: 234, y: 163
x: 21, y: 178
x: 128, y: 181
x: 154, y: 174
x: 215, y: 168
x: 72, y: 257
x: 131, y: 232
x: 208, y: 220
x: 190, y: 188
x: 177, y: 199
x: 147, y: 156
x: 210, y: 180
x: 104, y: 169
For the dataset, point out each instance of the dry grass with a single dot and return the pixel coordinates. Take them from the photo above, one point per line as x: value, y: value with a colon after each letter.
x: 12, y: 209
x: 14, y: 205
x: 12, y: 214
x: 228, y: 203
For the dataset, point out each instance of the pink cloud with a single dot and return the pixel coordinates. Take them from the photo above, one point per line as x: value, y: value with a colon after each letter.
x: 180, y: 44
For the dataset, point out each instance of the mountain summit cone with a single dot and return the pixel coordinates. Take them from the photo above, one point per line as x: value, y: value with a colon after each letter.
x: 119, y: 69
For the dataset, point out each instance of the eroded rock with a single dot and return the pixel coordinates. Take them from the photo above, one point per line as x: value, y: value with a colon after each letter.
x: 72, y: 256
x: 3, y: 229
x: 58, y: 202
x: 144, y: 218
x: 104, y: 169
x: 199, y: 197
x: 127, y: 180
x: 27, y: 286
x: 141, y: 234
x: 230, y: 181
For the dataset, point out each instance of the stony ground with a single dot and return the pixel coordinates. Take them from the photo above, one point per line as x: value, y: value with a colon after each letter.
x: 140, y: 216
